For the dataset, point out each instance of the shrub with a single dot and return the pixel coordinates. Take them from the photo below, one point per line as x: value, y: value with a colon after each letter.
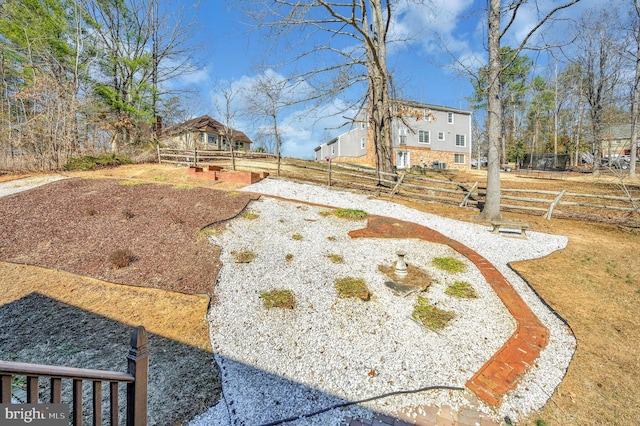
x: 461, y: 289
x: 352, y: 287
x: 336, y: 258
x: 288, y: 257
x: 449, y: 264
x: 89, y: 162
x: 432, y: 317
x: 297, y: 237
x: 278, y: 299
x: 121, y: 258
x: 351, y: 214
x: 250, y: 215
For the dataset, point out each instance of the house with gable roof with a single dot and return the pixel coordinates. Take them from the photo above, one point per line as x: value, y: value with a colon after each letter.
x: 205, y: 133
x: 423, y: 135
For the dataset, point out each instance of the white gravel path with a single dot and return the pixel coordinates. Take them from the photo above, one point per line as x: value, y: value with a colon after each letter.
x: 20, y: 185
x: 277, y: 364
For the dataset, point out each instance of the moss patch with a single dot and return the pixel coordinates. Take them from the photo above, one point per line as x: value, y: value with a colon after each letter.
x: 449, y: 264
x: 431, y: 317
x: 351, y: 214
x: 283, y: 299
x: 462, y: 290
x: 352, y: 287
x: 244, y: 256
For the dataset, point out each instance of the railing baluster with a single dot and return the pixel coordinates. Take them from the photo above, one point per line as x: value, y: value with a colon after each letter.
x: 113, y: 402
x: 77, y: 402
x: 32, y: 389
x: 97, y: 403
x: 5, y: 389
x: 56, y: 390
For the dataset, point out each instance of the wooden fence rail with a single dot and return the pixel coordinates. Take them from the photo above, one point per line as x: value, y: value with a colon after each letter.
x: 136, y: 380
x: 440, y: 189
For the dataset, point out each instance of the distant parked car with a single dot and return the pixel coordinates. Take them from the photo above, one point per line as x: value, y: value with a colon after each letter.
x: 483, y: 162
x: 620, y: 162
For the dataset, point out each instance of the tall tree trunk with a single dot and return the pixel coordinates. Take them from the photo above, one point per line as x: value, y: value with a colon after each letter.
x: 636, y: 98
x: 494, y: 115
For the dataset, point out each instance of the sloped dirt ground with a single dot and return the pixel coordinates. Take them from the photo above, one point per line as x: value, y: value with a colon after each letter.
x: 594, y: 284
x: 67, y: 318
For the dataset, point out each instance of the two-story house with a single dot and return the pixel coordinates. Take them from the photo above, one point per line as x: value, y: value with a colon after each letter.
x: 205, y: 133
x: 423, y: 135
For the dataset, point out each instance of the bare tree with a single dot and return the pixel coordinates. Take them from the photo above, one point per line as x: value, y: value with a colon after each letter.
x: 325, y: 28
x: 268, y: 94
x: 635, y: 110
x: 598, y: 54
x: 497, y: 28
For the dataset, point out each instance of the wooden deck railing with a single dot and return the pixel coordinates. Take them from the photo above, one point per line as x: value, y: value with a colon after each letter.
x: 136, y: 379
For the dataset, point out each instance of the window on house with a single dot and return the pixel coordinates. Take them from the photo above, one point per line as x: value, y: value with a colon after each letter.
x: 440, y: 136
x: 450, y: 117
x: 201, y: 137
x: 362, y: 143
x: 426, y: 114
x: 460, y: 140
x: 403, y: 136
x: 459, y: 159
x: 212, y: 139
x: 424, y: 136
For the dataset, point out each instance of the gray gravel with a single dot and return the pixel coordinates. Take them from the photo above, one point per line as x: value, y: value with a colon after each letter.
x: 284, y: 363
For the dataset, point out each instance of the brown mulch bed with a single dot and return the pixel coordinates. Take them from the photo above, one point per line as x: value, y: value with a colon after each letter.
x: 76, y: 224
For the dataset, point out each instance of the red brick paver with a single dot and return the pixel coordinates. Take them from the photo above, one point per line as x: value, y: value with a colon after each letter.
x: 502, y: 372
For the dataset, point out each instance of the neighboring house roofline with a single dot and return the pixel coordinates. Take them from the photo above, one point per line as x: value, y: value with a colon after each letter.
x: 416, y: 104
x: 207, y: 124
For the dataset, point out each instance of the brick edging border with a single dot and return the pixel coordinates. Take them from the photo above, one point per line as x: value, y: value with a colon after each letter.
x: 504, y: 370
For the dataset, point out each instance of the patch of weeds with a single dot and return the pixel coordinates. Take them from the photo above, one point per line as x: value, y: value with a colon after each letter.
x: 90, y: 211
x: 233, y: 194
x: 128, y: 214
x: 161, y: 178
x: 433, y: 318
x: 132, y: 182
x: 121, y: 258
x: 288, y: 257
x: 250, y: 215
x: 297, y: 237
x: 461, y: 289
x: 209, y: 232
x: 541, y: 422
x: 325, y: 213
x: 351, y: 214
x: 352, y: 287
x: 331, y: 238
x: 182, y: 186
x: 415, y: 276
x: 278, y: 299
x: 449, y: 264
x: 244, y: 256
x: 336, y: 258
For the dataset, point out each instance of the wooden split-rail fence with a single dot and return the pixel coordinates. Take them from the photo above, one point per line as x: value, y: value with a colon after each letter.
x: 427, y: 185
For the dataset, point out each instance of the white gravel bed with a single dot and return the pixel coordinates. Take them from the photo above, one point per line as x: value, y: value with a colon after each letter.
x: 278, y: 363
x: 20, y: 185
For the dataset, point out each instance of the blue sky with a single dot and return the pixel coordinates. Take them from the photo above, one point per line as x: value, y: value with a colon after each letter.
x: 434, y: 33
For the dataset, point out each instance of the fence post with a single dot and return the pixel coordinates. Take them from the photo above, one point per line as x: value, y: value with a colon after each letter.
x: 195, y: 157
x: 554, y: 204
x: 158, y: 150
x: 329, y: 160
x: 138, y: 366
